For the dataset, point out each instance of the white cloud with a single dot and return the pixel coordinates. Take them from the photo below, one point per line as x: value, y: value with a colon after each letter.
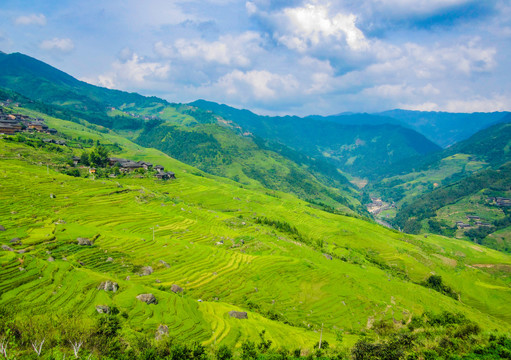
x: 313, y: 24
x: 260, y: 84
x: 32, y: 19
x: 479, y: 104
x: 56, y: 44
x: 132, y: 72
x: 227, y: 50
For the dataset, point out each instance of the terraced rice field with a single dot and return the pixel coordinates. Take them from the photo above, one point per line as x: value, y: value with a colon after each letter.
x: 200, y: 233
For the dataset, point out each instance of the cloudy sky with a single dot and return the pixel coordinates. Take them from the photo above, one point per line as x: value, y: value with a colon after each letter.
x: 278, y: 57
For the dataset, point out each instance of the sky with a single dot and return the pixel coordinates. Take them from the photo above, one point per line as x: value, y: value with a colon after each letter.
x: 296, y: 57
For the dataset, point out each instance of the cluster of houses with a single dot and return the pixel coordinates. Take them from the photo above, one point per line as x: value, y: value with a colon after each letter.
x: 471, y: 218
x: 378, y: 205
x: 11, y: 124
x: 127, y: 166
x: 500, y: 201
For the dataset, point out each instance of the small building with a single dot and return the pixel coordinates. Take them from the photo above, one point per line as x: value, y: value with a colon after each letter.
x: 76, y: 160
x: 145, y: 165
x: 159, y: 168
x: 92, y: 170
x: 473, y: 217
x: 165, y: 175
x: 7, y: 129
x: 38, y: 126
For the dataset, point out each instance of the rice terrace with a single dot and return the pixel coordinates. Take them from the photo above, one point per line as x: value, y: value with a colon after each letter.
x: 152, y: 227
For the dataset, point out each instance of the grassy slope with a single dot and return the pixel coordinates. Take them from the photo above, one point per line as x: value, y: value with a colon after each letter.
x: 295, y: 281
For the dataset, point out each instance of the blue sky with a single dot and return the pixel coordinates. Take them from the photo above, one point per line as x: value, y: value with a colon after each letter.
x: 278, y: 57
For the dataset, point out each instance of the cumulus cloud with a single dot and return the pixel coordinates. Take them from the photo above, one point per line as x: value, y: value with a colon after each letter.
x: 32, y: 19
x: 227, y: 50
x: 260, y: 84
x: 303, y: 27
x: 59, y: 45
x: 131, y: 71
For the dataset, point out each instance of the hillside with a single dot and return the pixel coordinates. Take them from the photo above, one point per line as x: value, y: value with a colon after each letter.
x: 444, y: 129
x: 226, y: 151
x: 293, y: 268
x: 489, y: 148
x: 359, y: 150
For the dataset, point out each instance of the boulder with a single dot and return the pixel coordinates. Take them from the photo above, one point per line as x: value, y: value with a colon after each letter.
x: 146, y: 270
x: 238, y: 314
x: 164, y: 264
x: 328, y: 256
x: 163, y: 330
x: 103, y: 309
x: 176, y: 288
x: 147, y: 298
x: 109, y: 259
x: 51, y: 259
x: 2, y: 228
x: 15, y: 240
x: 108, y: 286
x: 7, y: 248
x: 83, y: 241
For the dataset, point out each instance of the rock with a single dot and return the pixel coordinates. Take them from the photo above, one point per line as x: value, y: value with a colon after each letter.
x: 157, y: 281
x: 21, y: 269
x: 108, y: 286
x: 328, y: 256
x: 22, y: 251
x: 200, y: 300
x: 164, y: 264
x: 51, y: 259
x: 238, y: 314
x: 176, y: 288
x: 81, y: 263
x: 128, y: 278
x: 83, y: 241
x: 64, y: 258
x: 15, y: 240
x: 147, y: 298
x: 2, y: 228
x: 162, y: 330
x: 52, y: 196
x: 103, y: 309
x: 7, y: 248
x: 109, y: 259
x: 146, y: 270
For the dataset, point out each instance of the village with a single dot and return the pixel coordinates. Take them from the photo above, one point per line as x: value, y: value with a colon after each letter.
x: 11, y: 124
x: 127, y: 166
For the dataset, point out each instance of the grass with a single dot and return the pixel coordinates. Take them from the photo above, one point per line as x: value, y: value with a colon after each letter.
x: 288, y: 287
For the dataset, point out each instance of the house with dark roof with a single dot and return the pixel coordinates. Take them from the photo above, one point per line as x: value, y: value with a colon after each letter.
x: 165, y: 175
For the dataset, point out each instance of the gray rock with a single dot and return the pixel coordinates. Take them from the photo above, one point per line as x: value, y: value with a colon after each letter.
x: 109, y: 259
x: 176, y: 288
x: 164, y: 264
x: 108, y: 286
x: 328, y: 256
x: 52, y: 196
x: 7, y: 248
x: 128, y: 278
x: 51, y: 259
x: 147, y: 298
x: 15, y: 240
x: 157, y: 281
x: 163, y: 330
x: 238, y: 314
x: 146, y: 270
x: 103, y: 309
x: 2, y: 228
x: 84, y: 241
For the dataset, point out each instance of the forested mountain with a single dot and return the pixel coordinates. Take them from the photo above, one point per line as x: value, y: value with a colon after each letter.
x: 361, y: 150
x: 445, y: 129
x: 198, y: 137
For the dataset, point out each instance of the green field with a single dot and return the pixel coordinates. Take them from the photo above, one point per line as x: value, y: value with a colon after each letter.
x: 206, y: 230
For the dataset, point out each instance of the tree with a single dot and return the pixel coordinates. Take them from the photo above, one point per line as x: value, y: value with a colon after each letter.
x: 76, y: 332
x: 223, y: 353
x: 36, y: 330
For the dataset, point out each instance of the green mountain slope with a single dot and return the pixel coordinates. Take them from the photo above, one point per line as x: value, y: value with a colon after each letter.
x: 445, y: 129
x: 439, y: 210
x: 199, y: 138
x: 226, y: 245
x: 360, y: 150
